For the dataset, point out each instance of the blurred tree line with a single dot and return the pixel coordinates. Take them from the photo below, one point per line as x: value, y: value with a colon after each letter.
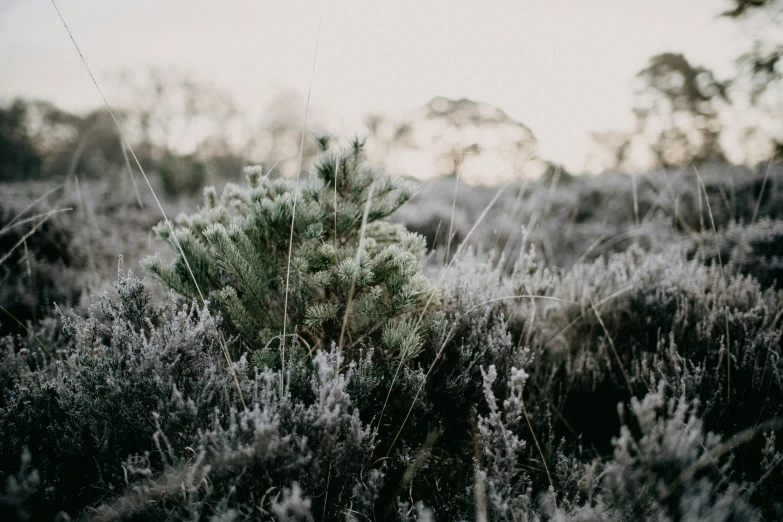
x: 39, y: 141
x: 686, y: 112
x: 188, y: 132
x: 184, y: 131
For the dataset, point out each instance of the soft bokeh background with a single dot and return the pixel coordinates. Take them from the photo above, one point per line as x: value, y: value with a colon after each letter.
x: 563, y: 70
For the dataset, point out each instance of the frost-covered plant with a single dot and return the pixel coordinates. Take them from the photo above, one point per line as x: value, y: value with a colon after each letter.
x: 351, y: 273
x: 616, y: 327
x: 282, y: 456
x: 508, y: 487
x: 671, y: 469
x: 91, y: 406
x: 590, y: 216
x: 638, y: 317
x: 509, y: 409
x: 18, y: 490
x: 665, y: 467
x: 133, y: 412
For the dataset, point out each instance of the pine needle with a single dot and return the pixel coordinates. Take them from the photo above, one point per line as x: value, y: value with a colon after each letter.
x: 359, y: 249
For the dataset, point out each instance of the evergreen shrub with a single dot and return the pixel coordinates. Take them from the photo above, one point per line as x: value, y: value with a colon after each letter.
x: 351, y: 275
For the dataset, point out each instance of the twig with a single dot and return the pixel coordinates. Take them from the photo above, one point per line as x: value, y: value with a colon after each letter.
x: 541, y: 453
x: 454, y: 200
x: 12, y: 316
x: 614, y: 349
x: 578, y: 318
x: 28, y: 207
x: 11, y: 226
x: 24, y: 237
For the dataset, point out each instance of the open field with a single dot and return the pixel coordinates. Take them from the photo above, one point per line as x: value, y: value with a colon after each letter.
x: 551, y: 293
x: 592, y: 348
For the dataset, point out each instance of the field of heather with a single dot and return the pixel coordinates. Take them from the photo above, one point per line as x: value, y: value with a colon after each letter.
x: 214, y: 310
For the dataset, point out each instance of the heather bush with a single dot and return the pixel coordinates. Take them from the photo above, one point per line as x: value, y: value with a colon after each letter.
x: 638, y: 379
x: 638, y: 317
x: 755, y: 250
x: 280, y: 456
x: 89, y: 408
x: 38, y: 268
x: 139, y: 405
x: 131, y: 400
x: 672, y: 469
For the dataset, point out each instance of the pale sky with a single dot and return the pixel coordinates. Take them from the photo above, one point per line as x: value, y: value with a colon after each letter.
x: 561, y: 67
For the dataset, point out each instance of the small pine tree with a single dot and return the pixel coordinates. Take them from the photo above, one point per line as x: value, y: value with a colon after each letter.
x: 354, y: 275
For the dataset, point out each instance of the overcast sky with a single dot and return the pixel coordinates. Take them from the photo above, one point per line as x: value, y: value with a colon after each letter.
x: 561, y: 67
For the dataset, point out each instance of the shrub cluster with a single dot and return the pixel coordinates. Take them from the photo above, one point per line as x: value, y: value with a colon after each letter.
x: 645, y: 384
x: 40, y: 262
x: 583, y: 217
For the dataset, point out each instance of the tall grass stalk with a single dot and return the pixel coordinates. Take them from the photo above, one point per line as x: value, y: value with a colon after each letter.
x: 296, y: 194
x: 224, y: 346
x: 725, y: 288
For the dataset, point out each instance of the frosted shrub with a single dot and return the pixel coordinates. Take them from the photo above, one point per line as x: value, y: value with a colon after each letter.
x: 344, y: 254
x: 507, y: 485
x: 146, y: 410
x: 90, y: 408
x: 638, y: 318
x: 644, y: 384
x: 657, y: 302
x: 672, y: 470
x: 308, y: 458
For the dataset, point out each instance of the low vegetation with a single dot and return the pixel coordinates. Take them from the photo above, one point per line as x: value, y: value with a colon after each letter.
x: 587, y: 349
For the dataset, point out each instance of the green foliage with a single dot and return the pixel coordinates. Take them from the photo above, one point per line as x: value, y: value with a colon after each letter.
x: 503, y: 403
x: 348, y: 263
x: 182, y: 176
